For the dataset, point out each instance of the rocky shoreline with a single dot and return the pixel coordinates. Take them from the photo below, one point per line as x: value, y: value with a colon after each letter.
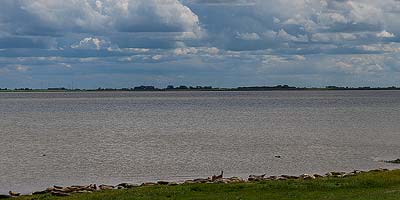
x: 215, y: 179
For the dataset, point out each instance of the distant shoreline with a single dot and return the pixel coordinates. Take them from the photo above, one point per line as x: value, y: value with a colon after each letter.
x: 205, y: 88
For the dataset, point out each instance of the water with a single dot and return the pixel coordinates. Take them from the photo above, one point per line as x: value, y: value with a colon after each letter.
x: 83, y: 138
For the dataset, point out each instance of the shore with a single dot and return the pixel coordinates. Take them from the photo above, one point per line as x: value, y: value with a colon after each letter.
x: 373, y: 184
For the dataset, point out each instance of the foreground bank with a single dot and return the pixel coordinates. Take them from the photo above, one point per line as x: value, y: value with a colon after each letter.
x: 376, y: 184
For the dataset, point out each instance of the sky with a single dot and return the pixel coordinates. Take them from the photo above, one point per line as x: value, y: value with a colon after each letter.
x: 221, y: 43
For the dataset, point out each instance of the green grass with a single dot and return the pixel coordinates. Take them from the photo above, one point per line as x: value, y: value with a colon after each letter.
x: 368, y: 186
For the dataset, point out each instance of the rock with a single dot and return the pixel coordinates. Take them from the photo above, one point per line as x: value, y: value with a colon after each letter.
x: 14, y: 194
x: 256, y: 177
x: 236, y: 180
x: 358, y: 171
x: 335, y: 174
x: 93, y: 186
x: 127, y: 185
x: 149, y: 184
x: 58, y: 187
x: 338, y: 173
x: 81, y: 186
x: 76, y: 188
x: 3, y: 196
x: 203, y: 180
x: 65, y: 190
x: 379, y: 170
x: 271, y: 178
x: 307, y: 177
x: 106, y: 187
x: 40, y: 192
x: 222, y: 180
x: 289, y: 177
x: 163, y: 182
x: 59, y: 194
x: 318, y: 176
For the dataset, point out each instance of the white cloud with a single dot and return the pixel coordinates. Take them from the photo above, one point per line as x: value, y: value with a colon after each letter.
x: 198, y: 50
x: 92, y: 43
x: 283, y: 35
x: 299, y: 57
x: 248, y: 36
x: 385, y: 34
x: 333, y: 37
x: 361, y: 64
x: 60, y: 16
x: 185, y: 51
x: 157, y: 57
x: 22, y: 68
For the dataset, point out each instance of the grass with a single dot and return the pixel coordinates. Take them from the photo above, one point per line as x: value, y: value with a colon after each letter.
x: 367, y: 186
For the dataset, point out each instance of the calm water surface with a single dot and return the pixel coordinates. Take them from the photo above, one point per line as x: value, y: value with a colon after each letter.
x: 138, y: 136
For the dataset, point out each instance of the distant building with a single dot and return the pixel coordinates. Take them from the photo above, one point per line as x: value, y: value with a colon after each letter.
x: 144, y: 88
x: 62, y: 88
x: 182, y: 87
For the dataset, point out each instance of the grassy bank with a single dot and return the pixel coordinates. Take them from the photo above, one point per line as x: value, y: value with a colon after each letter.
x: 366, y: 186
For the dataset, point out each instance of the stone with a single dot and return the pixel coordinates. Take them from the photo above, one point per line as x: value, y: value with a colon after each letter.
x: 202, y: 180
x: 127, y: 185
x: 335, y: 174
x: 93, y: 186
x: 222, y: 180
x: 80, y: 188
x: 289, y: 177
x: 379, y: 170
x: 272, y: 178
x: 41, y: 192
x: 236, y: 180
x: 106, y: 187
x: 307, y: 177
x: 318, y: 176
x: 358, y: 171
x: 58, y: 187
x: 256, y: 177
x: 173, y: 184
x: 59, y: 194
x: 163, y: 182
x: 149, y: 184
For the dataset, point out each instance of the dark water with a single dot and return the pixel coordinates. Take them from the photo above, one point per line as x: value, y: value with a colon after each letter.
x: 136, y: 137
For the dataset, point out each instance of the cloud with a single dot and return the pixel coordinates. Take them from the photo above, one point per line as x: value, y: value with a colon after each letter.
x: 226, y: 42
x: 21, y: 68
x: 53, y: 17
x: 385, y: 34
x: 92, y: 43
x: 248, y: 36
